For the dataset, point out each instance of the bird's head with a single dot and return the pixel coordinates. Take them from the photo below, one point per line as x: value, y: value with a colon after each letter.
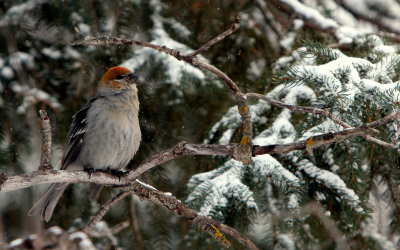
x: 118, y: 79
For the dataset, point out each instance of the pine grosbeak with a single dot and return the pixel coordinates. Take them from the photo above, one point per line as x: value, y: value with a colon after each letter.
x: 104, y: 134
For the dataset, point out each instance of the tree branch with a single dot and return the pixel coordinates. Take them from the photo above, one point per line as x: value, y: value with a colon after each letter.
x: 205, y: 223
x: 12, y: 183
x: 45, y: 157
x: 312, y: 110
x: 242, y: 152
x: 103, y: 210
x: 145, y: 192
x: 216, y: 39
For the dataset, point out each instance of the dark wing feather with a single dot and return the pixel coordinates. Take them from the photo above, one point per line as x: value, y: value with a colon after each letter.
x: 76, y: 135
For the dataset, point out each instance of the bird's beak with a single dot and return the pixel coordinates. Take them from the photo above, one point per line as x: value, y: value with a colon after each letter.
x: 132, y: 77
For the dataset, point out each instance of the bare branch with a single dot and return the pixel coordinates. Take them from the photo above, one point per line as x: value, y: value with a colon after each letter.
x: 181, y: 149
x: 216, y: 39
x: 45, y: 157
x: 312, y: 110
x: 112, y: 231
x: 207, y: 224
x: 312, y: 142
x: 138, y: 241
x: 299, y: 109
x: 103, y: 210
x: 391, y: 117
x: 145, y: 192
x: 11, y: 183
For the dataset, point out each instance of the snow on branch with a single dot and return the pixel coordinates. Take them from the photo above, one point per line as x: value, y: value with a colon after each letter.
x: 314, y: 111
x: 333, y: 182
x: 344, y: 32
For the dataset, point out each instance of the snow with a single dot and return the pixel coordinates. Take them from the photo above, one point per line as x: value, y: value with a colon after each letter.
x: 288, y: 41
x: 7, y: 73
x: 378, y: 225
x: 84, y: 241
x: 55, y: 230
x: 265, y: 165
x: 216, y: 190
x: 347, y: 34
x: 33, y: 95
x: 52, y: 53
x: 343, y: 79
x: 226, y: 137
x: 16, y: 243
x: 332, y: 181
x: 175, y: 69
x: 285, y: 241
x: 84, y: 29
x: 293, y: 201
x: 71, y: 53
x: 18, y: 58
x: 17, y: 11
x: 256, y: 69
x: 178, y: 27
x: 146, y: 185
x: 311, y: 14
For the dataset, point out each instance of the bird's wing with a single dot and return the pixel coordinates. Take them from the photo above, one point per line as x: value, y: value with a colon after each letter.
x: 76, y: 135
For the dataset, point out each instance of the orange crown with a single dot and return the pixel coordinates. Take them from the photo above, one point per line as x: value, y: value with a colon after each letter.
x: 113, y: 72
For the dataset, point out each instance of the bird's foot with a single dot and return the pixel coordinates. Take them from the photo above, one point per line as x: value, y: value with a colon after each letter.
x: 88, y: 169
x: 117, y: 173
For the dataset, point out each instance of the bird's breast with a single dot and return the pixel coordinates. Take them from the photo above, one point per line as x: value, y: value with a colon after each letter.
x: 112, y: 136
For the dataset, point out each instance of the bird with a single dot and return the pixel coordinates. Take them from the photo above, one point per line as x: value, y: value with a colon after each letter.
x: 104, y: 134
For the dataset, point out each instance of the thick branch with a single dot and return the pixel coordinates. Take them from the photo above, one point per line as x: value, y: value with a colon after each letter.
x: 12, y: 183
x: 45, y: 157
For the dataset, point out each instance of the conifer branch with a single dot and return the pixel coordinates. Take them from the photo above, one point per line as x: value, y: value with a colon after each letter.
x: 314, y: 111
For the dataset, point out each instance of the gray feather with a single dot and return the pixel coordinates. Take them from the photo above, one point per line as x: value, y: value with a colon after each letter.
x: 45, y: 206
x: 104, y: 134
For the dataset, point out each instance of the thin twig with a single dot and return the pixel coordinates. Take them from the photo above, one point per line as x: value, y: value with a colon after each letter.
x: 45, y: 157
x: 112, y: 231
x: 103, y: 210
x: 313, y: 110
x: 216, y: 39
x: 135, y: 225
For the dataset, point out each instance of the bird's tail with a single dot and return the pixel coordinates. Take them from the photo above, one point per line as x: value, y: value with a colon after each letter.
x: 45, y: 206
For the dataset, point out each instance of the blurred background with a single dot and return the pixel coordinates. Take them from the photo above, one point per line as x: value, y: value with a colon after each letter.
x: 40, y: 69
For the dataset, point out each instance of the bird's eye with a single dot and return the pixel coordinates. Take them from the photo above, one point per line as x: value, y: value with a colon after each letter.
x: 118, y: 77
